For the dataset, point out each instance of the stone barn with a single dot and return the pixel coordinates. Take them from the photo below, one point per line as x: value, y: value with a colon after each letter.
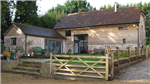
x: 99, y: 29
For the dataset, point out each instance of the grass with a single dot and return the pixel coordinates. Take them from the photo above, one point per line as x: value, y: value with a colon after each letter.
x: 124, y: 53
x: 84, y: 59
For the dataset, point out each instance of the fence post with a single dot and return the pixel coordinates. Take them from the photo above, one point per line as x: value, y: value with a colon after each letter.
x: 141, y: 53
x: 112, y: 67
x: 108, y: 50
x: 129, y: 54
x: 50, y: 63
x: 136, y: 53
x: 118, y: 58
x: 107, y: 68
x: 145, y: 52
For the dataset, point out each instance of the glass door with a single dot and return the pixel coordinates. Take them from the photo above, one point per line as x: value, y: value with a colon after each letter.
x: 80, y: 43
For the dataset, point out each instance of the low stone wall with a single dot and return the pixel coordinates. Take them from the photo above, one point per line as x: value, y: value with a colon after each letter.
x: 45, y: 69
x: 8, y: 64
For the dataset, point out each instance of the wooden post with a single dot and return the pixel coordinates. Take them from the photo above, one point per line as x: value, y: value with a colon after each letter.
x: 50, y: 63
x: 136, y: 53
x: 107, y: 68
x: 112, y: 67
x: 129, y: 54
x: 118, y: 58
x: 108, y: 50
x: 141, y: 53
x: 145, y: 52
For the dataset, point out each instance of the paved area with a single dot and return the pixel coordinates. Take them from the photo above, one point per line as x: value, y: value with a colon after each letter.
x: 136, y: 74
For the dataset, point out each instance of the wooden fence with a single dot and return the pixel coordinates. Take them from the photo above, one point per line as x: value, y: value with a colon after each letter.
x: 64, y: 65
x: 127, y: 57
x: 97, y: 66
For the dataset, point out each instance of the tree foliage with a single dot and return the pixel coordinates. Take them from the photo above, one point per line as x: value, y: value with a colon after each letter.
x: 26, y: 10
x: 6, y: 15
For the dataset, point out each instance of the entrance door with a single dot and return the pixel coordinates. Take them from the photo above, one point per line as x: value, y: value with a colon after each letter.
x: 80, y: 43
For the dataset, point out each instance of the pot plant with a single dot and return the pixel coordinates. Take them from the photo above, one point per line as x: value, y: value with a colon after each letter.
x: 69, y: 51
x: 89, y: 52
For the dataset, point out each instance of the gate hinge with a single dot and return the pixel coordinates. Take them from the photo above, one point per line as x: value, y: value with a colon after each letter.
x: 109, y: 75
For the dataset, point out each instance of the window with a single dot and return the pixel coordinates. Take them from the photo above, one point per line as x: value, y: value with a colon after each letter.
x: 13, y: 41
x: 68, y: 33
x: 124, y: 41
x: 122, y: 28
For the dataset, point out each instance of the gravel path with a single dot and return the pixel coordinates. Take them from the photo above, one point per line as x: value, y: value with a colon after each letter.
x: 135, y: 74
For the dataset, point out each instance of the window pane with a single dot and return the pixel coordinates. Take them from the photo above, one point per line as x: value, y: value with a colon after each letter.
x: 68, y: 33
x: 13, y: 41
x: 122, y: 28
x: 124, y: 40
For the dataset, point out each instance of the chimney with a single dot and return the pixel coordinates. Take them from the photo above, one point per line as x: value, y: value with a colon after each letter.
x: 115, y: 10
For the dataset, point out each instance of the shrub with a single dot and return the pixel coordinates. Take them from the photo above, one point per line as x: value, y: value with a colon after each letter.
x: 69, y: 50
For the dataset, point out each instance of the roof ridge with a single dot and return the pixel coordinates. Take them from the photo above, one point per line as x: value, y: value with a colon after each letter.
x: 101, y: 10
x: 34, y: 26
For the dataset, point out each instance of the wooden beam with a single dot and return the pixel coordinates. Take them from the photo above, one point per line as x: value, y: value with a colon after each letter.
x: 129, y: 54
x: 136, y: 53
x: 63, y: 65
x: 145, y: 52
x: 107, y: 68
x: 117, y: 57
x: 141, y: 53
x: 91, y: 67
x: 112, y: 67
x: 51, y: 63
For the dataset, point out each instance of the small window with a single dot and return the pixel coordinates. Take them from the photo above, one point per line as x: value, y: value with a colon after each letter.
x: 13, y: 41
x: 68, y: 33
x: 122, y: 28
x: 124, y: 41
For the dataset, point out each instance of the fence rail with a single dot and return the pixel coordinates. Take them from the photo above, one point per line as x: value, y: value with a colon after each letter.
x: 102, y: 67
x: 62, y: 66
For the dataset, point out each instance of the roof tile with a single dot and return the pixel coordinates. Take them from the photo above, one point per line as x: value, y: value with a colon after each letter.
x: 100, y: 17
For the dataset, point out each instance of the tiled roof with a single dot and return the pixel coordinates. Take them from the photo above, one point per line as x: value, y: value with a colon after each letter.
x: 38, y: 31
x: 100, y: 17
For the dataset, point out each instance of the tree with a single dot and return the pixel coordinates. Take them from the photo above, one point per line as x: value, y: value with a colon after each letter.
x: 77, y: 6
x: 6, y: 15
x: 25, y: 11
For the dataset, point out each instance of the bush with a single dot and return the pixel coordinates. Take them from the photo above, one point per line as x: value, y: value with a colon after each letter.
x: 2, y: 48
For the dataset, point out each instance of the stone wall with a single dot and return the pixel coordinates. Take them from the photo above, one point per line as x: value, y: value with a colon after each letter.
x: 102, y: 36
x: 19, y: 47
x: 15, y: 32
x: 142, y: 31
x: 8, y: 64
x: 45, y: 69
x: 37, y: 41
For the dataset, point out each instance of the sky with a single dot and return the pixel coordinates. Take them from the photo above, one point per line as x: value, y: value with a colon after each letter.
x: 45, y: 5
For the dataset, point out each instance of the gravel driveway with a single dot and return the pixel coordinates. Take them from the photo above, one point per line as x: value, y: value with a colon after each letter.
x: 136, y: 74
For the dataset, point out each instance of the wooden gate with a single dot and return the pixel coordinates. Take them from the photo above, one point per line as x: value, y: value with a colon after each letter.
x: 81, y: 66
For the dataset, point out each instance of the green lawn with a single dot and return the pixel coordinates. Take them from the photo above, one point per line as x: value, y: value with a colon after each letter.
x: 84, y: 59
x: 94, y: 59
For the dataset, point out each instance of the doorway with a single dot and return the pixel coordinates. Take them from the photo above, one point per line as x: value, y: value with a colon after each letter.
x: 81, y: 44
